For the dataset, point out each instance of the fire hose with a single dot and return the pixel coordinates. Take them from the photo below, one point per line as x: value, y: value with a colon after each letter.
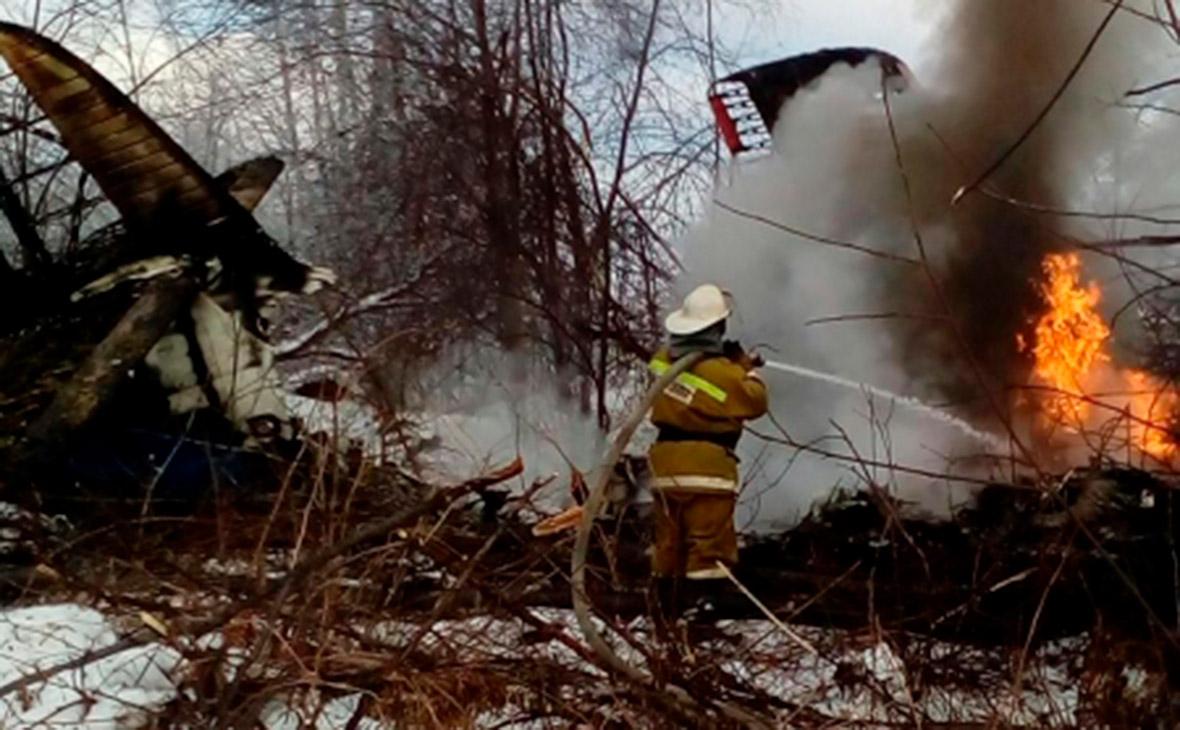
x: 590, y: 510
x: 597, y: 496
x: 570, y: 518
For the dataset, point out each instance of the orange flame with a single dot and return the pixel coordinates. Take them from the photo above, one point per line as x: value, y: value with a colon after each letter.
x: 1070, y: 338
x: 1155, y: 406
x: 1070, y: 358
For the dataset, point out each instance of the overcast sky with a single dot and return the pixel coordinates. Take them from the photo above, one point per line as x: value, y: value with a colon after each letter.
x: 804, y: 25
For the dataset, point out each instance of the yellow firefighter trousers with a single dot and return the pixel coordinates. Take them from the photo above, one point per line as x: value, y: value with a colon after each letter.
x: 693, y: 532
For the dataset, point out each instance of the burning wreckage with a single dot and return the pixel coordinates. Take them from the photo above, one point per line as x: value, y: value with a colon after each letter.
x: 141, y: 356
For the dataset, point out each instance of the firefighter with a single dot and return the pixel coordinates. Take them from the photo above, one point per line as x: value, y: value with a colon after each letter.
x: 700, y: 417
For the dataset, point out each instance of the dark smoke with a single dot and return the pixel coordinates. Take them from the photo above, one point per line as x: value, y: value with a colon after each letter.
x: 999, y: 64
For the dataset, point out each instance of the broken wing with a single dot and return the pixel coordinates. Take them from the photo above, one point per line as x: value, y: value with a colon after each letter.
x: 142, y: 171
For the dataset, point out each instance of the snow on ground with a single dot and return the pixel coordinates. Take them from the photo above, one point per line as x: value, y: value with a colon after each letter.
x: 854, y: 678
x: 120, y: 691
x: 881, y: 688
x: 878, y: 687
x: 277, y: 562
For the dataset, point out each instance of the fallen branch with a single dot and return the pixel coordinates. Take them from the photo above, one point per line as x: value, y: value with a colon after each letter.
x: 92, y: 386
x: 281, y: 591
x: 388, y: 298
x: 767, y: 612
x: 383, y: 527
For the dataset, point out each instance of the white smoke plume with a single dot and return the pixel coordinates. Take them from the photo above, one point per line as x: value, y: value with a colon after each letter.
x: 834, y: 173
x: 487, y: 407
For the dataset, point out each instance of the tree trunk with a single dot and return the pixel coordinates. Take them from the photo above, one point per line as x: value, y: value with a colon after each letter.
x: 36, y: 255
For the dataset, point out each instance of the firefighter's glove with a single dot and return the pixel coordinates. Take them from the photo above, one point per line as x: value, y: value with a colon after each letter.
x: 748, y: 360
x: 751, y: 360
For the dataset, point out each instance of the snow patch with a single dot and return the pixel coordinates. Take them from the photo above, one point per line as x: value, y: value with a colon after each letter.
x: 123, y: 690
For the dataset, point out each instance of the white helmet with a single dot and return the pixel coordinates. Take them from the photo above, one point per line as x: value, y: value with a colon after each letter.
x: 704, y: 307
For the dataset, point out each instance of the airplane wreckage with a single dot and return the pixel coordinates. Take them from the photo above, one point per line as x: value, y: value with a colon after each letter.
x: 150, y: 336
x: 143, y: 351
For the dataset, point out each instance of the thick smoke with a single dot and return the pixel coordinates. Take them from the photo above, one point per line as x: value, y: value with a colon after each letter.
x: 994, y: 66
x: 999, y: 64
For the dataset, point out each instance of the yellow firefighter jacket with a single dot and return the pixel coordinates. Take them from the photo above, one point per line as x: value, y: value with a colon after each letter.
x: 700, y: 418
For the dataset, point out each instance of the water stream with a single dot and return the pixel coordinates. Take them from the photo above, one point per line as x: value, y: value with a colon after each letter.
x: 908, y: 402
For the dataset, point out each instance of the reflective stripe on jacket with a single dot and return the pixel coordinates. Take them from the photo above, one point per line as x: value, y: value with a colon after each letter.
x: 713, y: 400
